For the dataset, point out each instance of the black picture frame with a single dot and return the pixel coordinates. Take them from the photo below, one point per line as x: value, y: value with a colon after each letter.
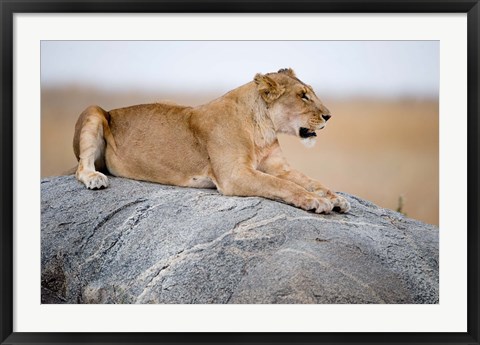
x: 10, y: 7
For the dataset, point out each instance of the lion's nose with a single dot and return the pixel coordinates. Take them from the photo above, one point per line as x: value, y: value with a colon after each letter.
x: 326, y: 117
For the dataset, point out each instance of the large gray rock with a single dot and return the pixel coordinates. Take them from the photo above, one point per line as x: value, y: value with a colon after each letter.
x: 138, y: 242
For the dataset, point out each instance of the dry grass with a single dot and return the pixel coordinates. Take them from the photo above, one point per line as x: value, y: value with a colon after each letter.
x: 378, y: 150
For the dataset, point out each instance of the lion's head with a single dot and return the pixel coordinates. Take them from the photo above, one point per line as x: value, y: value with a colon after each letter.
x: 293, y: 106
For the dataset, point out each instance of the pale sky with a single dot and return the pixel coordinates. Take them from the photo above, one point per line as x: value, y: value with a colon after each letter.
x: 334, y: 68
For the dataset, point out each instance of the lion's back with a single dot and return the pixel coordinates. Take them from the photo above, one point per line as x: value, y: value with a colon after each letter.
x: 135, y: 124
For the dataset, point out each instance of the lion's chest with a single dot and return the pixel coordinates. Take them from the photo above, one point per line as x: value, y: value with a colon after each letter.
x: 261, y: 153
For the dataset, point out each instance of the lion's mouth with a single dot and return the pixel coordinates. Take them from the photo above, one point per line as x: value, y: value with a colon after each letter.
x: 306, y: 133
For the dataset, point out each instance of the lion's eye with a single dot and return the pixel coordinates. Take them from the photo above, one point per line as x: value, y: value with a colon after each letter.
x: 304, y: 96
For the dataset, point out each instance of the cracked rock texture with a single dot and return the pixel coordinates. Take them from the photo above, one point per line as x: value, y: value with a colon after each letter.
x: 138, y: 242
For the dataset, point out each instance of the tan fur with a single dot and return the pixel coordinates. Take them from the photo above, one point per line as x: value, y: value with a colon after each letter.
x: 230, y: 143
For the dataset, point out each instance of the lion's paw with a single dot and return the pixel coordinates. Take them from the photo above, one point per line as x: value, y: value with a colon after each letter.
x: 340, y: 204
x: 315, y: 204
x: 95, y: 180
x: 325, y: 206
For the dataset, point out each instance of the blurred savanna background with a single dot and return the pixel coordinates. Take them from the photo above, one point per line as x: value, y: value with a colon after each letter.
x: 382, y: 143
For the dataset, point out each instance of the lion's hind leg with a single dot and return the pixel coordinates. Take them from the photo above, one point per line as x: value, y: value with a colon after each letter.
x: 89, y: 147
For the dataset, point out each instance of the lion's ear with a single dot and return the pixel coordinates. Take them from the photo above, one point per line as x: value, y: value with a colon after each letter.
x: 287, y: 71
x: 268, y: 88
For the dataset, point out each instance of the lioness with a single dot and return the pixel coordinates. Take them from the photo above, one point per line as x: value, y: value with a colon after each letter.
x: 230, y: 143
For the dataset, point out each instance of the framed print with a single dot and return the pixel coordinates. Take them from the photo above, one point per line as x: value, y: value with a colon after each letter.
x: 189, y: 209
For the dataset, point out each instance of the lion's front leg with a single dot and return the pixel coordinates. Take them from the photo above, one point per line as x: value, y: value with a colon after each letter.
x: 339, y: 202
x: 245, y: 181
x: 234, y: 177
x: 276, y: 165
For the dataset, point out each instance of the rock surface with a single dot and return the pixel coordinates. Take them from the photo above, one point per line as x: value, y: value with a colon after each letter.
x: 138, y: 242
